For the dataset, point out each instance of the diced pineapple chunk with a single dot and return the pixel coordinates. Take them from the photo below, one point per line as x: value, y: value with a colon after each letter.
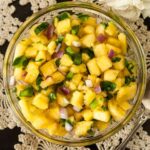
x: 66, y: 60
x: 87, y: 114
x: 123, y: 40
x: 19, y: 73
x: 90, y: 21
x: 76, y: 79
x: 85, y: 57
x: 78, y: 116
x: 104, y: 63
x: 48, y: 68
x: 114, y: 41
x: 75, y: 22
x: 78, y: 68
x: 119, y: 83
x: 89, y: 97
x: 69, y: 38
x: 82, y: 127
x: 41, y: 101
x: 88, y: 29
x: 101, y: 115
x: 47, y: 91
x: 114, y: 48
x: 62, y: 100
x: 51, y: 47
x: 110, y: 75
x: 126, y: 93
x: 60, y: 131
x: 125, y: 105
x: 121, y: 64
x: 88, y: 40
x: 77, y: 99
x: 19, y: 88
x: 101, y: 125
x: 63, y: 26
x: 39, y: 41
x: 71, y: 85
x: 31, y: 31
x: 56, y: 20
x: 100, y: 29
x: 39, y: 46
x: 53, y: 112
x: 40, y: 58
x: 32, y: 72
x: 70, y: 110
x: 47, y: 82
x: 52, y: 127
x: 58, y: 77
x: 111, y: 29
x: 92, y: 78
x: 100, y: 49
x: 25, y: 109
x: 117, y: 112
x: 63, y: 68
x: 93, y: 67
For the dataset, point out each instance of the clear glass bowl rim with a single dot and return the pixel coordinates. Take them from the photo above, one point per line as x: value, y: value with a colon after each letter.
x: 94, y: 7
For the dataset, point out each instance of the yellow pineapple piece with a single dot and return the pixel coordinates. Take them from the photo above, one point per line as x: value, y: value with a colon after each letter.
x: 92, y: 78
x: 39, y: 46
x: 51, y: 47
x: 47, y: 82
x: 40, y: 40
x: 19, y: 73
x: 126, y: 93
x: 32, y: 72
x: 114, y: 41
x: 52, y: 127
x: 123, y: 40
x: 119, y: 83
x: 78, y: 116
x: 58, y: 77
x: 40, y: 58
x: 76, y: 79
x: 88, y: 40
x: 47, y: 91
x: 71, y: 85
x: 104, y: 63
x: 102, y: 115
x: 31, y: 52
x: 100, y: 49
x: 48, y: 68
x: 69, y: 38
x: 41, y: 101
x: 85, y: 57
x: 60, y: 131
x: 100, y: 29
x: 56, y: 20
x: 66, y: 60
x: 93, y: 67
x: 81, y: 128
x: 63, y: 26
x: 125, y: 105
x: 87, y: 114
x: 90, y: 21
x: 117, y: 112
x: 77, y: 99
x: 101, y: 125
x: 70, y: 111
x: 88, y: 29
x: 110, y: 75
x: 114, y: 48
x: 121, y: 64
x: 111, y: 29
x: 89, y: 97
x: 62, y: 100
x: 63, y: 68
x: 75, y: 22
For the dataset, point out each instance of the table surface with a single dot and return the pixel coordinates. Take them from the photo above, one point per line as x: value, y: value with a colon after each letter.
x: 10, y: 137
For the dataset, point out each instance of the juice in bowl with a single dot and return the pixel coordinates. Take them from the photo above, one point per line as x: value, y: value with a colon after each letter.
x: 76, y: 78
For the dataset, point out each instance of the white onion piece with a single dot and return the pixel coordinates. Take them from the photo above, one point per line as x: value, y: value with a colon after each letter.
x: 68, y: 126
x: 88, y: 83
x: 63, y: 113
x: 76, y: 43
x: 76, y: 109
x: 12, y: 81
x: 58, y: 47
x: 22, y: 82
x: 66, y: 102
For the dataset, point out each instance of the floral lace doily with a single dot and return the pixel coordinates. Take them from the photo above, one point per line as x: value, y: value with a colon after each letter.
x: 28, y: 141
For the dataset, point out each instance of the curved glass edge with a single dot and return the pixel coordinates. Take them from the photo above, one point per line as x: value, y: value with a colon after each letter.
x: 95, y: 8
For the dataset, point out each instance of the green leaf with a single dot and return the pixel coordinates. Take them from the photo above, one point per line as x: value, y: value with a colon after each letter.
x: 83, y: 17
x: 109, y: 96
x: 116, y: 59
x: 62, y: 122
x: 39, y: 60
x: 41, y: 27
x: 70, y: 75
x: 27, y: 92
x: 77, y: 59
x: 91, y: 132
x: 39, y: 80
x: 104, y: 25
x: 105, y: 108
x: 70, y: 51
x: 129, y: 79
x: 129, y: 66
x: 57, y: 62
x: 60, y: 39
x: 21, y: 61
x: 88, y: 51
x: 108, y: 86
x: 63, y: 16
x: 75, y: 30
x: 52, y: 97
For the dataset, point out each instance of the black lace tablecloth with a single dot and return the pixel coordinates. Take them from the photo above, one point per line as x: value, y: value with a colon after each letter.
x: 9, y: 137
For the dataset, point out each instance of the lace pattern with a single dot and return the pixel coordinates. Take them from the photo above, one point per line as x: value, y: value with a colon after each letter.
x: 27, y: 140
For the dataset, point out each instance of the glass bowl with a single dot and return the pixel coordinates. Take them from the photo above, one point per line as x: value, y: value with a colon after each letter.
x: 136, y: 53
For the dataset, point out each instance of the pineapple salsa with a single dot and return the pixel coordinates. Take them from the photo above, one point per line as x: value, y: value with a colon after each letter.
x: 73, y: 76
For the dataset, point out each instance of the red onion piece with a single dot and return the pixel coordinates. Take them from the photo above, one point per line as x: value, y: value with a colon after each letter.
x: 50, y: 31
x: 97, y: 89
x: 65, y: 90
x: 58, y: 54
x: 111, y: 53
x: 63, y: 113
x: 101, y: 38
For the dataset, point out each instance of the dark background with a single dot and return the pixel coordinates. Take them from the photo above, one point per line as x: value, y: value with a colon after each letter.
x: 10, y: 137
